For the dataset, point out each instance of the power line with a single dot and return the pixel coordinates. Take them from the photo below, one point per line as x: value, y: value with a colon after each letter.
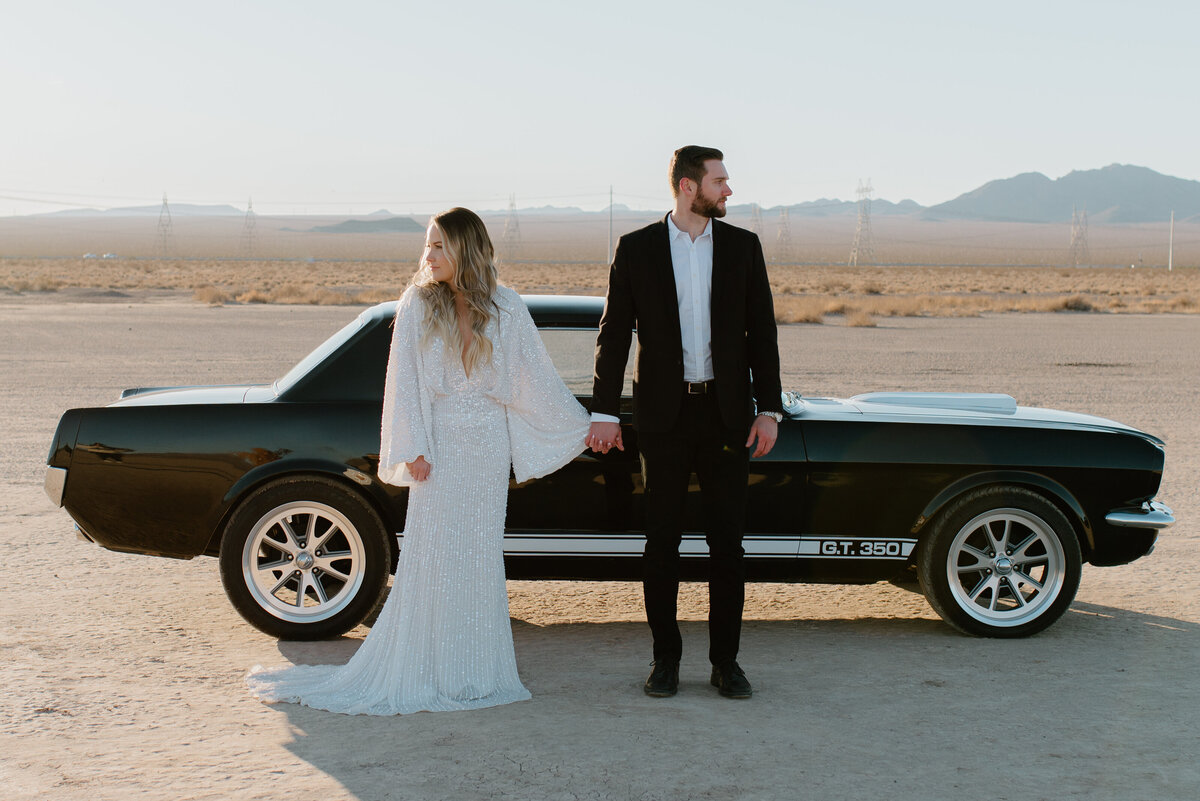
x: 863, y: 249
x: 1079, y: 238
x: 783, y: 238
x: 248, y: 229
x: 165, y: 231
x: 756, y: 219
x: 510, y: 240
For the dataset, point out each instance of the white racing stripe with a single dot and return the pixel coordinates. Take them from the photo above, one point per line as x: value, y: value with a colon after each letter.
x: 526, y: 543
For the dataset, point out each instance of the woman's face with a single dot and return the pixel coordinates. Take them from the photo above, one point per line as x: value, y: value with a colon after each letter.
x: 436, y: 258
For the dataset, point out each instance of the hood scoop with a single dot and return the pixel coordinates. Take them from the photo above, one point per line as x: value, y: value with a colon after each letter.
x: 980, y: 402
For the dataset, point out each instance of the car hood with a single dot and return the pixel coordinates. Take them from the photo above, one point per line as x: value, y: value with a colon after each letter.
x: 193, y: 396
x: 966, y: 408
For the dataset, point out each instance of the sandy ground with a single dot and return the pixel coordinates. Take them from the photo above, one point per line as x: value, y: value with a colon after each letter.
x: 122, y: 675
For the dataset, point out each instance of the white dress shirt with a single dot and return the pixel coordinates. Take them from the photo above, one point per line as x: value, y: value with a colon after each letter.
x: 692, y: 262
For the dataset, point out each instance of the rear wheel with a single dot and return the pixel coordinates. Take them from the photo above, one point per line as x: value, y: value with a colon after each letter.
x: 305, y: 558
x: 1000, y: 561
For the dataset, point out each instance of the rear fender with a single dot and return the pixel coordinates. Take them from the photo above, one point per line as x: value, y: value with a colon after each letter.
x: 367, y: 485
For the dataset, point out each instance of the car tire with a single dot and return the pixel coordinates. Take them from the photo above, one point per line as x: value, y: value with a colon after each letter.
x: 305, y: 558
x: 1000, y: 561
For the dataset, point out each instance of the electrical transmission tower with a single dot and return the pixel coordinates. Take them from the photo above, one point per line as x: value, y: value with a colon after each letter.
x: 756, y: 219
x: 1079, y: 243
x: 511, y: 239
x: 248, y: 230
x: 863, y: 249
x: 165, y: 233
x: 783, y: 239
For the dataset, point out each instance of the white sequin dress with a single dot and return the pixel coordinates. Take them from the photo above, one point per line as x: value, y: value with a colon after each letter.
x: 443, y: 640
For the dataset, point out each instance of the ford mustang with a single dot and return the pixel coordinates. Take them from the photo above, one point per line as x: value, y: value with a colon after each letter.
x: 988, y: 508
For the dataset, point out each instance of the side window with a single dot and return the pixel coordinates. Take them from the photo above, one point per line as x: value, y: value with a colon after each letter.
x: 573, y: 353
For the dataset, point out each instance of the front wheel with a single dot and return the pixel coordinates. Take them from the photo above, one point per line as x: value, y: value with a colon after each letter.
x: 305, y: 558
x: 1000, y: 561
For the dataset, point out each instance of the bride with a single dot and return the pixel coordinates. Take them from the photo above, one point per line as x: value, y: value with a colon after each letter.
x: 470, y: 391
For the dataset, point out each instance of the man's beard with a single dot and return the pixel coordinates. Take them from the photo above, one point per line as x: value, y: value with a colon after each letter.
x: 707, y: 208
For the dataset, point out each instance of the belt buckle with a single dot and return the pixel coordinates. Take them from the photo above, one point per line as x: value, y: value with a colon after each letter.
x: 697, y: 387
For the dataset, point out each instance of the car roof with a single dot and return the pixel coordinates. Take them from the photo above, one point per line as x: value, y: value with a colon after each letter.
x: 548, y: 311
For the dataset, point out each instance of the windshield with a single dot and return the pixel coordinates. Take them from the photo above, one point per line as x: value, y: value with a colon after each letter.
x: 321, y: 353
x: 573, y: 352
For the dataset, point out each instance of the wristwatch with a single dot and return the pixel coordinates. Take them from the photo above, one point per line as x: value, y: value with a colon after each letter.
x: 776, y: 416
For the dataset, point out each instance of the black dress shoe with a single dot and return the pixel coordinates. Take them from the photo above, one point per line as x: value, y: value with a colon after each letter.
x: 664, y: 679
x: 730, y: 680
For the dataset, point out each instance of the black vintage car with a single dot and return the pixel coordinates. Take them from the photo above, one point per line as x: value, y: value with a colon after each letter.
x: 990, y: 508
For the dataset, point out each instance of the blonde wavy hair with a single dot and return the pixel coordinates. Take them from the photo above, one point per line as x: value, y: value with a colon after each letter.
x: 466, y: 243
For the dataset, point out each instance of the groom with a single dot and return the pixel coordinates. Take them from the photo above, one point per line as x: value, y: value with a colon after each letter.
x: 696, y: 291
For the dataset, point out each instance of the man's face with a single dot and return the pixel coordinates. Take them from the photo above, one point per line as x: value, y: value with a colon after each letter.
x: 712, y: 191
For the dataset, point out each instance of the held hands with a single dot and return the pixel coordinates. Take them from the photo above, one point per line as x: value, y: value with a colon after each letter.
x: 766, y: 430
x: 602, y: 436
x: 419, y: 469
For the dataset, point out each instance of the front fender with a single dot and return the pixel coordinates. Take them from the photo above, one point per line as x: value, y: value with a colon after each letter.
x: 1055, y: 491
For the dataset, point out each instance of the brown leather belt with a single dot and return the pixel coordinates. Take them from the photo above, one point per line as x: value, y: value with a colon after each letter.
x: 699, y: 387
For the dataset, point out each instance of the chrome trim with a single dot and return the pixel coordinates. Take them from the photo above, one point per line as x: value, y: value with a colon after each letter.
x: 54, y: 483
x: 1152, y: 514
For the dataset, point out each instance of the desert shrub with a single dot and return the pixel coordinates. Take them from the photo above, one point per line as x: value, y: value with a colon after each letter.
x: 1073, y: 303
x: 835, y: 307
x: 309, y: 295
x: 212, y: 295
x: 254, y: 296
x: 1181, y: 303
x: 860, y: 319
x: 799, y: 309
x: 909, y: 306
x: 376, y: 295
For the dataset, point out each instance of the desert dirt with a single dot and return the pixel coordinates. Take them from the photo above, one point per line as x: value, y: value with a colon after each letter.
x: 123, y: 674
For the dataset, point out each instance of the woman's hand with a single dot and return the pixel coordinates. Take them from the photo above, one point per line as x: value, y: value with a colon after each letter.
x: 419, y: 469
x: 602, y: 436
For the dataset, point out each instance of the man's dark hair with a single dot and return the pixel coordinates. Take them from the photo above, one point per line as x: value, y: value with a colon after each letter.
x: 688, y: 162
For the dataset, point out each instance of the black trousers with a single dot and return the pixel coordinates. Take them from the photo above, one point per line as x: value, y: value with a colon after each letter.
x: 699, y: 443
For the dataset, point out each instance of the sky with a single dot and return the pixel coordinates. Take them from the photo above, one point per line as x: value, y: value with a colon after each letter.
x: 351, y: 107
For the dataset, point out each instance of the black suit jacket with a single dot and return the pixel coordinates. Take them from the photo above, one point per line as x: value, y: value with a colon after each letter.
x: 641, y: 295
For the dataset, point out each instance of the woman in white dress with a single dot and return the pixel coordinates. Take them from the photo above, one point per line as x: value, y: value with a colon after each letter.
x: 470, y: 392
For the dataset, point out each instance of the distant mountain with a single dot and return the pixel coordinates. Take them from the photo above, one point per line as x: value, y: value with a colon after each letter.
x: 177, y: 210
x: 1118, y: 193
x: 385, y: 225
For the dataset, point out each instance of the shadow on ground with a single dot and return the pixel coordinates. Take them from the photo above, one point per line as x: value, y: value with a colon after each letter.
x: 843, y: 709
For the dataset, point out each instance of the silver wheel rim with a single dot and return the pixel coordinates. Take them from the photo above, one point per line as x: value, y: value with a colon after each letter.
x: 1006, y: 567
x: 303, y: 562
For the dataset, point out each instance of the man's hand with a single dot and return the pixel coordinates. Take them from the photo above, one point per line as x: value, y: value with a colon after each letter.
x: 419, y: 469
x: 766, y: 430
x: 602, y: 436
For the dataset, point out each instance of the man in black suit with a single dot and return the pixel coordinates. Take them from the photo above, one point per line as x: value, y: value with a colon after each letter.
x: 696, y: 290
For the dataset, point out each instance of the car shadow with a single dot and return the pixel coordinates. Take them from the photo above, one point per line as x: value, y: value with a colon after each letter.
x: 817, y: 684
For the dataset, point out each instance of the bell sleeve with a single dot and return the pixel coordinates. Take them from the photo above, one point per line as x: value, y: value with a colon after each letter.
x: 406, y: 429
x: 546, y: 425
